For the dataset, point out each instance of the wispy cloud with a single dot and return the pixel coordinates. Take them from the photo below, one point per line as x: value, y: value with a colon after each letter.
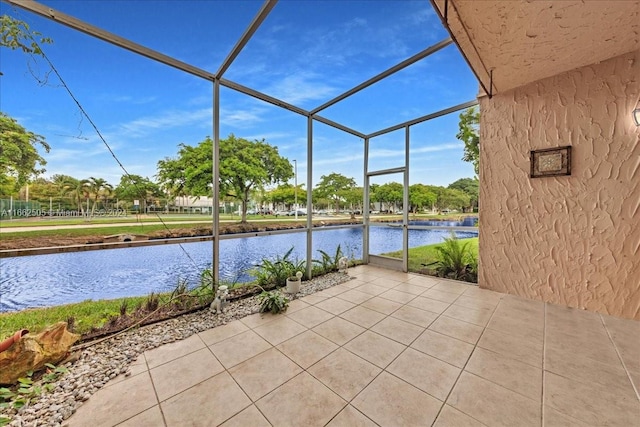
x: 168, y: 119
x: 298, y: 88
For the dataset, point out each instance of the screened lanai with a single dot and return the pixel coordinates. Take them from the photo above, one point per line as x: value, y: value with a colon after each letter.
x: 327, y: 102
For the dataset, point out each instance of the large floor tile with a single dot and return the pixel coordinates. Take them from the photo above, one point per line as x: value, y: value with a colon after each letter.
x: 591, y: 403
x: 522, y: 348
x: 355, y: 296
x: 264, y: 372
x: 389, y: 401
x: 443, y: 347
x: 451, y: 287
x: 258, y: 319
x: 178, y: 375
x: 586, y: 370
x: 425, y: 372
x: 303, y: 401
x: 250, y: 417
x: 375, y: 348
x: 214, y: 335
x: 307, y: 348
x: 381, y: 305
x: 398, y: 330
x: 409, y: 288
x: 351, y: 417
x: 362, y: 316
x: 335, y: 305
x: 458, y: 329
x: 152, y: 417
x: 310, y: 316
x: 425, y: 282
x: 280, y: 330
x: 492, y: 404
x: 451, y: 417
x: 506, y: 323
x: 509, y: 373
x: 397, y: 296
x: 478, y: 317
x: 112, y: 405
x: 440, y: 295
x: 477, y: 304
x: 169, y: 352
x: 338, y: 330
x: 239, y: 348
x: 429, y: 304
x: 554, y: 418
x: 415, y: 315
x: 372, y: 289
x: 207, y: 404
x: 344, y: 373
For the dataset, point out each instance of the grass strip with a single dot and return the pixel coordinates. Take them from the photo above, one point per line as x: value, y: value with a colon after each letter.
x: 86, y: 314
x: 428, y: 253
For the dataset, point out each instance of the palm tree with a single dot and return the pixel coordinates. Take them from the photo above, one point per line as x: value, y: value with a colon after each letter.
x: 95, y: 187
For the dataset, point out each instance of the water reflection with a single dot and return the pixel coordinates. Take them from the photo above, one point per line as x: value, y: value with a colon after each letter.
x: 45, y: 280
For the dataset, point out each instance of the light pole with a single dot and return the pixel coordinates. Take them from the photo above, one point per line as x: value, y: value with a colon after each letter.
x: 295, y: 188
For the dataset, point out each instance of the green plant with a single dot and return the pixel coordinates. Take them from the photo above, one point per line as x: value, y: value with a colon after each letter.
x: 456, y: 261
x: 277, y: 271
x: 28, y: 389
x: 124, y: 306
x: 273, y: 301
x: 327, y: 263
x: 152, y: 302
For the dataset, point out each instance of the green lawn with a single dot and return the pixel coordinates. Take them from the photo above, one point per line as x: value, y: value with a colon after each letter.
x: 86, y: 314
x: 99, y: 231
x: 428, y: 254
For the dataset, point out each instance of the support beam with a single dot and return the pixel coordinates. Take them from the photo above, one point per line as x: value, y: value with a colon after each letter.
x: 415, y: 58
x: 251, y: 29
x: 339, y: 126
x: 215, y: 262
x: 77, y: 24
x: 365, y: 208
x: 309, y: 195
x: 425, y: 118
x: 263, y: 97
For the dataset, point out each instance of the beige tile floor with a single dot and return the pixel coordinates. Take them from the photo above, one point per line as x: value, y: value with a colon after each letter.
x: 388, y: 349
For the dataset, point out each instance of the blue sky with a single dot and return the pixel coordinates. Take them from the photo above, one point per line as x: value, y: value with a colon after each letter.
x: 304, y: 53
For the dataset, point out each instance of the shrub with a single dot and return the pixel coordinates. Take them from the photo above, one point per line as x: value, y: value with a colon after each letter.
x: 273, y: 301
x: 456, y: 261
x: 277, y: 271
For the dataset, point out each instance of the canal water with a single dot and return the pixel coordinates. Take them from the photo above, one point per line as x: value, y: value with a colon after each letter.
x: 46, y: 280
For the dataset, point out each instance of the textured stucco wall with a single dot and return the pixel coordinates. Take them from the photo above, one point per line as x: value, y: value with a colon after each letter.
x: 571, y: 240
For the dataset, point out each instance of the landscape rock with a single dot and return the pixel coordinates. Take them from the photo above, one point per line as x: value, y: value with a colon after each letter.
x: 32, y: 352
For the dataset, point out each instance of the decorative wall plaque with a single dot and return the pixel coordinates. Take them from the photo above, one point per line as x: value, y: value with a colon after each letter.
x: 551, y: 162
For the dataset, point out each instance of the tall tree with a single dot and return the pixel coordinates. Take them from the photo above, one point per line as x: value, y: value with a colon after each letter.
x: 19, y: 157
x: 469, y: 125
x: 390, y: 193
x: 97, y: 187
x: 469, y: 186
x: 244, y: 166
x: 136, y: 187
x: 334, y: 187
x: 420, y: 196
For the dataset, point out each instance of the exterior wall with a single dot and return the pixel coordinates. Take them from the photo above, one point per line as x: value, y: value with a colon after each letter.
x: 570, y: 240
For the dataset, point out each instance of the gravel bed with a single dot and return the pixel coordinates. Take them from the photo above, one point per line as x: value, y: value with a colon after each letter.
x: 98, y: 364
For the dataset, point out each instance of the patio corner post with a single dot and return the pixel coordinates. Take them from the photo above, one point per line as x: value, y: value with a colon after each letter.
x: 309, y: 195
x: 366, y: 203
x: 215, y: 262
x: 405, y: 203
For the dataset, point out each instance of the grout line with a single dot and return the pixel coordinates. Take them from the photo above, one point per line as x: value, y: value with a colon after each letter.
x: 484, y: 328
x: 164, y: 420
x: 624, y: 365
